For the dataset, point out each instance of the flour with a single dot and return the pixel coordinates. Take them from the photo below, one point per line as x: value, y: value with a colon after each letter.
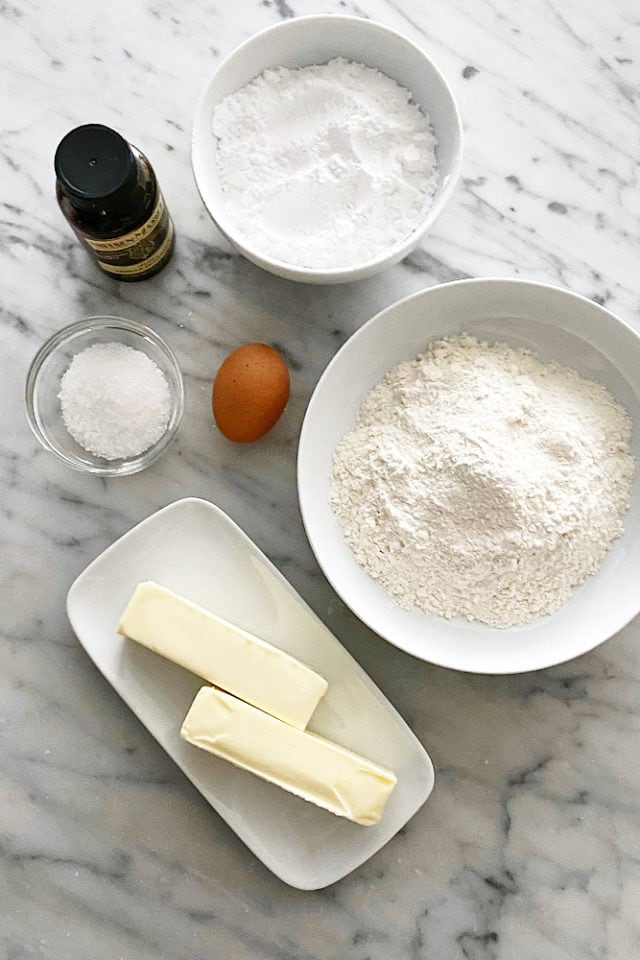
x: 480, y: 482
x: 324, y: 166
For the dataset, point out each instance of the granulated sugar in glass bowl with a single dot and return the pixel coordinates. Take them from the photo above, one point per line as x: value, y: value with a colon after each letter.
x: 105, y: 395
x: 115, y: 400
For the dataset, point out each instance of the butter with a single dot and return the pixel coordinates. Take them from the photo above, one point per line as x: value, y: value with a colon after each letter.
x: 301, y: 762
x: 222, y: 653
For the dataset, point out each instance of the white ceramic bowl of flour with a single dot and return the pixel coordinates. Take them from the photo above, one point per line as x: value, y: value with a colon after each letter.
x: 302, y: 42
x: 558, y: 326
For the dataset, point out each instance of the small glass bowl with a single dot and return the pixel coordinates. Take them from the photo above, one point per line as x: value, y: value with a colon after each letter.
x: 43, y: 386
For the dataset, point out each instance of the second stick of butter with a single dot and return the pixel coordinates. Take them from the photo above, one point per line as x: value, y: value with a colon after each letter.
x: 305, y: 764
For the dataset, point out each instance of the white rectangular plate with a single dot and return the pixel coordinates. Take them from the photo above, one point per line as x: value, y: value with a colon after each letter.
x: 195, y: 549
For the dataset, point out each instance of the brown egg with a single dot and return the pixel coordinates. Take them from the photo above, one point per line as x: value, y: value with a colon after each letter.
x: 250, y: 392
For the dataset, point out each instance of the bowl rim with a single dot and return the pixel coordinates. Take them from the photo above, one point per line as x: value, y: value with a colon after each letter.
x: 390, y: 255
x: 120, y: 467
x: 304, y: 440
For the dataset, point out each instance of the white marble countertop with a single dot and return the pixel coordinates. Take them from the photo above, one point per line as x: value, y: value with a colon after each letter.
x: 528, y: 848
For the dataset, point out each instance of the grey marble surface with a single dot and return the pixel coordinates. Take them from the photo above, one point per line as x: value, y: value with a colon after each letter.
x: 528, y: 848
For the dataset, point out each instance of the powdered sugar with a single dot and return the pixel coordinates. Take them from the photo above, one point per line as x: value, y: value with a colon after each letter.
x: 480, y: 482
x: 324, y: 166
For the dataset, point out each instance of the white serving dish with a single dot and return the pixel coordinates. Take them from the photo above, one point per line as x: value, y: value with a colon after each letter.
x: 557, y: 325
x: 303, y: 41
x: 195, y: 549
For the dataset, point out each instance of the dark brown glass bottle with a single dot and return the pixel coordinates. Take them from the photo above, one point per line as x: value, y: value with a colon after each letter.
x: 108, y: 192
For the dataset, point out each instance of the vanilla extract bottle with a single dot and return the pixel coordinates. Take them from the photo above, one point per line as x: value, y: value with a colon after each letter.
x: 109, y: 195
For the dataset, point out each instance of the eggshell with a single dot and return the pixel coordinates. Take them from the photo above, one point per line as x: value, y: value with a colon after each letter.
x: 250, y: 392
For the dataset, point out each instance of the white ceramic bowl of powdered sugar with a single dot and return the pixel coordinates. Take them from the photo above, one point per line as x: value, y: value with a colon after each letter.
x: 325, y: 147
x: 468, y: 475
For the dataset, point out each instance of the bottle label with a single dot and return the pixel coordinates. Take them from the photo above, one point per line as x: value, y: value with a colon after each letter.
x: 138, y: 251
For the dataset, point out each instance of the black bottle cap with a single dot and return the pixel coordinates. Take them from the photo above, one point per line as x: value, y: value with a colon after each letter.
x: 95, y: 166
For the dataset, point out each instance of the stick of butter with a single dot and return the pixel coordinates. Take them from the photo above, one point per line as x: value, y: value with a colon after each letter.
x: 299, y: 761
x: 222, y: 653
